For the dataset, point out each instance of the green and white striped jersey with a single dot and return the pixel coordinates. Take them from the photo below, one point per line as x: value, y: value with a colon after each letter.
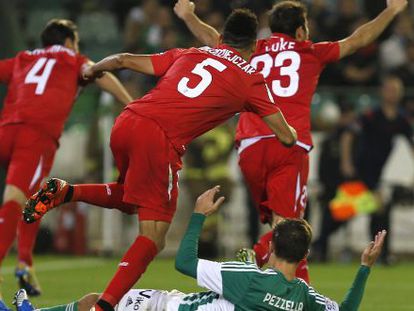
x: 249, y: 288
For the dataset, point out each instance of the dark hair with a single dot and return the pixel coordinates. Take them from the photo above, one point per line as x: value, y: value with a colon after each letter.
x: 287, y: 16
x: 57, y: 31
x: 291, y: 239
x: 240, y: 29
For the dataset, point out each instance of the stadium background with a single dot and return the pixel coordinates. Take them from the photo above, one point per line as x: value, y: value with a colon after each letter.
x: 111, y: 26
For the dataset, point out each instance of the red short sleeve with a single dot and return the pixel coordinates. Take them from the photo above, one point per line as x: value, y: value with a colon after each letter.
x: 327, y: 52
x: 260, y: 99
x: 162, y: 61
x: 6, y: 69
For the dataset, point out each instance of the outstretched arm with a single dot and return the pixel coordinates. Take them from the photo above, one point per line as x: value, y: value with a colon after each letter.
x: 109, y: 83
x: 369, y: 256
x: 206, y: 34
x: 139, y: 63
x: 186, y: 260
x: 370, y: 31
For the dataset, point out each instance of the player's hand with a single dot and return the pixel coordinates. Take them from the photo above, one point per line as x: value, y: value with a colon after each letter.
x: 89, y: 73
x: 397, y: 5
x: 373, y: 250
x: 206, y: 204
x: 184, y: 8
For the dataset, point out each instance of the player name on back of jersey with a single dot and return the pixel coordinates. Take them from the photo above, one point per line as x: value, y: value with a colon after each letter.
x: 282, y: 304
x: 281, y: 45
x: 51, y: 49
x: 231, y: 57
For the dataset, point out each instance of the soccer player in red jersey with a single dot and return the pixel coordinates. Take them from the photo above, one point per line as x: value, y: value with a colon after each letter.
x: 291, y: 65
x: 42, y: 87
x: 198, y: 90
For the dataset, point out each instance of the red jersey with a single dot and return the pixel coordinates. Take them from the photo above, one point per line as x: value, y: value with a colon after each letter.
x: 292, y: 70
x: 42, y: 86
x: 201, y: 88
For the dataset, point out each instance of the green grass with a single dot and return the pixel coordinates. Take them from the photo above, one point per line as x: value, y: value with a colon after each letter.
x: 66, y: 278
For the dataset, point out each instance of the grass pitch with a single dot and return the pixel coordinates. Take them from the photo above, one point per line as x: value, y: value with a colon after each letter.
x: 65, y: 279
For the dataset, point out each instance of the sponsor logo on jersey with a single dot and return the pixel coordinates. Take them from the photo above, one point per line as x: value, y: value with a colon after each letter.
x: 331, y: 305
x: 140, y: 300
x: 124, y: 264
x: 129, y: 302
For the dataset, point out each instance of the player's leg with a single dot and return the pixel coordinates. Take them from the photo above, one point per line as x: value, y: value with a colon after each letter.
x: 22, y: 303
x: 149, y: 166
x: 57, y: 192
x: 10, y: 207
x: 286, y: 194
x: 10, y: 214
x: 147, y: 245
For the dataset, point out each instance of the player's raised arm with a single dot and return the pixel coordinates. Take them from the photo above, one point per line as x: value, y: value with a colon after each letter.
x: 187, y: 259
x: 206, y: 34
x: 370, y: 31
x: 139, y: 63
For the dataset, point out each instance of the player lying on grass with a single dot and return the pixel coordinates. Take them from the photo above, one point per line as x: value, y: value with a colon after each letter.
x: 198, y: 89
x: 238, y: 285
x: 42, y: 86
x: 291, y: 64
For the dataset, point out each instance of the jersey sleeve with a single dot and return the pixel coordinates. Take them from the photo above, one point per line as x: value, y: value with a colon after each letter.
x: 162, y: 61
x: 327, y: 52
x: 236, y: 278
x: 6, y: 69
x: 82, y: 62
x: 259, y: 98
x: 318, y: 302
x: 209, y: 275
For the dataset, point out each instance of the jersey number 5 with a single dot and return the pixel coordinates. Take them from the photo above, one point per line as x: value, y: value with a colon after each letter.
x: 40, y: 78
x: 290, y: 71
x: 206, y: 78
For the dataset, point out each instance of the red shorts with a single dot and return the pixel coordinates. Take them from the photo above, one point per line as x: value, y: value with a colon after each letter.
x: 276, y: 177
x: 27, y: 154
x: 148, y: 166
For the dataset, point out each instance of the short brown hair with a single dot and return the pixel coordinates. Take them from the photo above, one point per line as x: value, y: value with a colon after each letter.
x: 57, y: 31
x: 287, y: 16
x: 291, y: 239
x: 240, y: 29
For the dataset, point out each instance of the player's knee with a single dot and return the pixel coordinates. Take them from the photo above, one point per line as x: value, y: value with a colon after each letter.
x: 13, y: 193
x: 88, y: 301
x: 156, y: 231
x: 158, y: 239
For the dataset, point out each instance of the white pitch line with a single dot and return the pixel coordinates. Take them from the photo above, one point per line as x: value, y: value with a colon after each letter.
x: 60, y: 265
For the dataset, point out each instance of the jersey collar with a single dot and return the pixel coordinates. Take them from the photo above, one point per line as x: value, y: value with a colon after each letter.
x: 227, y: 47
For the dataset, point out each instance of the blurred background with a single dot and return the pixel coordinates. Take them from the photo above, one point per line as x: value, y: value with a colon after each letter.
x: 346, y: 90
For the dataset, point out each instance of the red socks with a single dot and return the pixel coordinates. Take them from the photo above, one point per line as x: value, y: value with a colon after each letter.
x: 27, y: 234
x: 10, y: 214
x: 132, y: 266
x: 261, y: 248
x: 105, y: 195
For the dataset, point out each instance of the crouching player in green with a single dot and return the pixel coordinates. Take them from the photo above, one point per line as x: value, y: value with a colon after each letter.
x: 237, y: 285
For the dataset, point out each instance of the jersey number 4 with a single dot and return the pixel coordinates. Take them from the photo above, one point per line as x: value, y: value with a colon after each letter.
x: 291, y: 71
x: 39, y: 77
x: 205, y: 75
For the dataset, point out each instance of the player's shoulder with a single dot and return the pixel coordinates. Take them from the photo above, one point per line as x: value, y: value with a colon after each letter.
x: 238, y: 266
x: 246, y: 267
